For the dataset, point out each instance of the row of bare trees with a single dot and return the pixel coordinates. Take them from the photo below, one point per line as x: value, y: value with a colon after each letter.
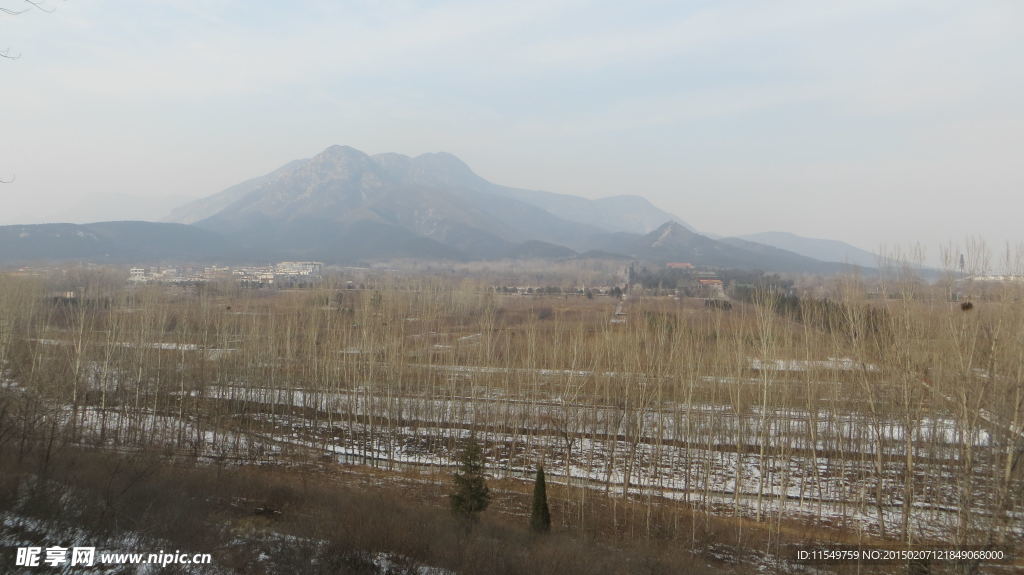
x: 901, y: 416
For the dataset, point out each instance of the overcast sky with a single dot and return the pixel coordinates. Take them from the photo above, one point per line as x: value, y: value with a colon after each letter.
x: 873, y: 122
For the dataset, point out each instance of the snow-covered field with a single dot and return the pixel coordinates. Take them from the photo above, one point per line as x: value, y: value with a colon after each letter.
x: 708, y: 455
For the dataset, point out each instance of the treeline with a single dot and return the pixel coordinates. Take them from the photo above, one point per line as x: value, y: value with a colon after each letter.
x: 665, y: 278
x: 544, y: 290
x: 614, y: 291
x: 831, y: 316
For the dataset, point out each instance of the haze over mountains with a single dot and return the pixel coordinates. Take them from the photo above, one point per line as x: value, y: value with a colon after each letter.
x: 341, y: 167
x: 343, y: 205
x: 817, y: 248
x: 434, y: 200
x: 111, y: 242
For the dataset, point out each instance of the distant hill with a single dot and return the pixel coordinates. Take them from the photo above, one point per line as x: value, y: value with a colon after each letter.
x: 624, y: 213
x: 674, y: 243
x: 820, y: 249
x: 327, y: 207
x: 436, y: 196
x: 345, y: 206
x: 202, y: 208
x: 540, y: 250
x: 111, y: 242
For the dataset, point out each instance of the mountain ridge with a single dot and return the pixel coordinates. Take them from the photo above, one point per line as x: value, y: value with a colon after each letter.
x: 434, y: 196
x: 672, y: 242
x: 343, y: 205
x: 623, y: 212
x: 818, y: 248
x: 112, y: 242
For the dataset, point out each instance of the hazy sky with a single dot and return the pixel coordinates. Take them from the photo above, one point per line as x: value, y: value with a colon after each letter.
x: 867, y: 121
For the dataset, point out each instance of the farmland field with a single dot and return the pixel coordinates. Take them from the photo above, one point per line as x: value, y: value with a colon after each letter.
x: 892, y: 421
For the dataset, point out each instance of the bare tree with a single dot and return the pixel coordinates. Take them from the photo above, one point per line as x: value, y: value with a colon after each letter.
x: 7, y: 54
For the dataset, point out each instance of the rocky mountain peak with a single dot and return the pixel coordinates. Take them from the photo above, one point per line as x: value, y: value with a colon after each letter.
x: 669, y: 233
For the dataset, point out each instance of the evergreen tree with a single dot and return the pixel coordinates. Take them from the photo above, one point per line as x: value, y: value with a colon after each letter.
x: 471, y: 495
x: 540, y: 516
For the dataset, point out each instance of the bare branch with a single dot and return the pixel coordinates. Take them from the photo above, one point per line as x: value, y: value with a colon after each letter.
x: 32, y: 3
x: 39, y: 6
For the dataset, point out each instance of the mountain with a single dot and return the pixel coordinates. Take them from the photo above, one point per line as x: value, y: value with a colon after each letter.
x: 433, y: 194
x: 111, y: 242
x: 202, y: 208
x: 327, y: 206
x: 819, y: 249
x: 344, y: 205
x: 625, y: 213
x: 540, y: 250
x: 672, y: 242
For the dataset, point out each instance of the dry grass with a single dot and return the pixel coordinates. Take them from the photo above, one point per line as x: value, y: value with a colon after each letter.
x: 903, y: 424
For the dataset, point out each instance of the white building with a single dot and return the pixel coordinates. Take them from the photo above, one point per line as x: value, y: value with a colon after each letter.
x: 137, y: 275
x: 308, y: 269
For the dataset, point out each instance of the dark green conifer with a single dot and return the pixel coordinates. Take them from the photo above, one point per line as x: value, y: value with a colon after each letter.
x: 540, y: 516
x: 471, y: 495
